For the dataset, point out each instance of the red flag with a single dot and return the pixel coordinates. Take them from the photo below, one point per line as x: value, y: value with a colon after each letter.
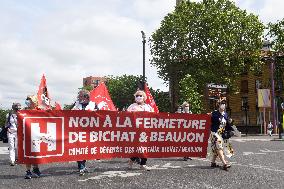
x: 42, y: 95
x: 101, y: 97
x: 150, y: 100
x: 57, y: 106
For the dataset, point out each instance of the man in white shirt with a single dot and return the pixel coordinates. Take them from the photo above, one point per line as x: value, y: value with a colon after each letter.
x: 12, y: 124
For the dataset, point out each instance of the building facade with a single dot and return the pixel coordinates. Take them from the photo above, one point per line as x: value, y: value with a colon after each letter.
x: 93, y: 81
x: 243, y: 103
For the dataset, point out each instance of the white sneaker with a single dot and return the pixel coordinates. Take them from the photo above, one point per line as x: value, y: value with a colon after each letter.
x: 81, y: 172
x: 144, y: 167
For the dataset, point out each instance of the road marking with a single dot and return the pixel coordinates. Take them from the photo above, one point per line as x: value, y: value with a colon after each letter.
x: 249, y: 139
x: 262, y: 152
x: 247, y: 153
x: 270, y: 151
x: 249, y: 165
x: 261, y: 167
x: 4, y: 150
x: 110, y: 174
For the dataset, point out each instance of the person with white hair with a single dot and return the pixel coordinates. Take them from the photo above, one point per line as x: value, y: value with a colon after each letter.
x: 11, y: 125
x: 186, y: 108
x: 139, y: 106
x: 32, y: 104
x: 83, y: 103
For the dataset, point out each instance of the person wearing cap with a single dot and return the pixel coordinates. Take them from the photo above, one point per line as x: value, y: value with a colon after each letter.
x: 83, y: 103
x: 11, y: 125
x: 32, y: 104
x: 139, y: 106
x: 219, y: 122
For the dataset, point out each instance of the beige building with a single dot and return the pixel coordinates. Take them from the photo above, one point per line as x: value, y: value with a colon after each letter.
x: 252, y: 119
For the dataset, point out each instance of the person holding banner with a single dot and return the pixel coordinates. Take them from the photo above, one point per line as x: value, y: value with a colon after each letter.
x: 83, y: 103
x: 139, y: 106
x: 179, y: 109
x: 11, y: 125
x: 32, y: 104
x: 186, y: 108
x: 219, y: 122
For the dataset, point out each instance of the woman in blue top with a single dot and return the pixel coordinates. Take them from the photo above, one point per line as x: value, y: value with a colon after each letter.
x: 219, y: 124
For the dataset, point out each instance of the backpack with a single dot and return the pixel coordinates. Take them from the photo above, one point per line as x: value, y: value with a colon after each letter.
x: 3, y: 132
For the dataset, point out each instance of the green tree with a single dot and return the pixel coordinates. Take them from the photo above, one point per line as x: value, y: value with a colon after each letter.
x: 88, y: 88
x: 3, y: 114
x: 68, y: 106
x: 122, y: 88
x: 189, y: 93
x: 276, y: 33
x: 162, y: 100
x: 212, y: 40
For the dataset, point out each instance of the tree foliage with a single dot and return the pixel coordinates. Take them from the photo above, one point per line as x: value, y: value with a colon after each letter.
x: 3, y: 114
x: 162, y: 100
x: 122, y: 88
x: 212, y: 40
x: 189, y: 93
x: 276, y: 33
x: 87, y: 87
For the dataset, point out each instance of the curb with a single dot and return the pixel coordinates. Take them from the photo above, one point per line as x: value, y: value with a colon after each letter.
x: 277, y: 139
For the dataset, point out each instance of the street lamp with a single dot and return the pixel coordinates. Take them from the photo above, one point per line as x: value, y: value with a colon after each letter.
x: 269, y: 55
x: 144, y: 42
x: 280, y: 102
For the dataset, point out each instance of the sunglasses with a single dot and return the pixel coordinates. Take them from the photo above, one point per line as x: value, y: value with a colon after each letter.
x: 84, y: 96
x: 138, y: 96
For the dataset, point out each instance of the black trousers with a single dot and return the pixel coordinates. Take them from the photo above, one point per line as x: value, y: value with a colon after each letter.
x: 81, y: 164
x: 142, y: 161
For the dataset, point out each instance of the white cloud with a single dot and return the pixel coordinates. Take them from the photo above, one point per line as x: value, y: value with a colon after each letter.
x: 68, y: 40
x: 268, y: 10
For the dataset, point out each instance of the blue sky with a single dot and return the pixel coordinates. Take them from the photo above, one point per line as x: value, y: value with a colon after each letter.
x: 69, y: 39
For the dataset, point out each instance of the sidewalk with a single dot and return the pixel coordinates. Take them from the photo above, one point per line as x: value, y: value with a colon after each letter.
x: 274, y: 137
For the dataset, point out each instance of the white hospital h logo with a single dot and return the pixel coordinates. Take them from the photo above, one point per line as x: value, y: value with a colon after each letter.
x: 37, y: 137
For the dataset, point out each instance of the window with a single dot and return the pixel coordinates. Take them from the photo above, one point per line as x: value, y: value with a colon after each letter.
x: 244, y: 86
x: 244, y: 101
x: 96, y: 82
x: 257, y: 85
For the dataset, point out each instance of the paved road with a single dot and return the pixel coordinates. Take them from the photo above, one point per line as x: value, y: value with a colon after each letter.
x: 258, y: 163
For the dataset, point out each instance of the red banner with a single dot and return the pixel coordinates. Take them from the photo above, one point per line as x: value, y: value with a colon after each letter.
x: 42, y: 95
x: 58, y: 136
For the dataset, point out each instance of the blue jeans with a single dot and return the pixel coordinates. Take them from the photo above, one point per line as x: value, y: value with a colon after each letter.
x: 81, y: 164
